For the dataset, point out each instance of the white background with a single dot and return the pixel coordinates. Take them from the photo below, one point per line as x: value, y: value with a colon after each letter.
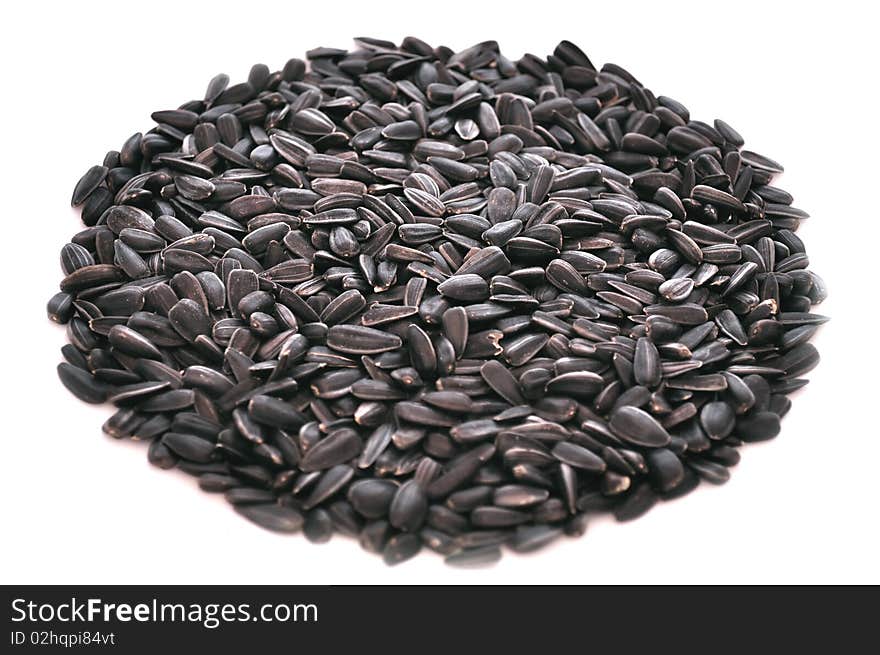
x: 800, y: 84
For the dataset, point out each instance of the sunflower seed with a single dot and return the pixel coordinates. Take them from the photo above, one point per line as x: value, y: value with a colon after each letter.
x: 82, y: 384
x: 189, y: 446
x: 400, y: 548
x: 87, y: 184
x: 502, y: 382
x: 357, y: 340
x: 336, y: 448
x: 372, y: 497
x: 578, y: 457
x: 272, y: 516
x: 637, y: 427
x: 508, y: 293
x: 646, y: 363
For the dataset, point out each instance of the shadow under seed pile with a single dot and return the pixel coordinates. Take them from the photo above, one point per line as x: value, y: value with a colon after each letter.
x: 434, y: 298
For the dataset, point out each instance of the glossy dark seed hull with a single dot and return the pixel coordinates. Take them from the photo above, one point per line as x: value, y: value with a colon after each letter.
x: 436, y: 298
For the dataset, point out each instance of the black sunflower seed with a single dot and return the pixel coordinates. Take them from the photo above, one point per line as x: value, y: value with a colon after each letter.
x: 189, y: 446
x: 372, y: 497
x: 646, y: 363
x: 499, y: 378
x: 272, y: 516
x: 757, y: 426
x: 717, y: 419
x: 82, y: 384
x: 580, y: 384
x: 578, y: 457
x: 426, y: 297
x: 637, y: 427
x: 357, y: 340
x: 88, y: 183
x: 336, y: 448
x: 464, y: 288
x: 318, y: 527
x: 408, y: 507
x: 400, y: 548
x: 519, y: 496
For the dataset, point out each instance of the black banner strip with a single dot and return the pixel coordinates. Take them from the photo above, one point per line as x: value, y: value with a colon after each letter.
x: 284, y: 619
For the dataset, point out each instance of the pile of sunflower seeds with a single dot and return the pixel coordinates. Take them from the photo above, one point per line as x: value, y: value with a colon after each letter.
x: 436, y: 298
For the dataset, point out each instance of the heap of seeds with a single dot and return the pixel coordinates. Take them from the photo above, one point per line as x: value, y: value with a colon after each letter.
x: 438, y: 299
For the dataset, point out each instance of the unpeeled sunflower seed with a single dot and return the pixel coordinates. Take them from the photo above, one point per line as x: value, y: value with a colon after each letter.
x: 424, y: 297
